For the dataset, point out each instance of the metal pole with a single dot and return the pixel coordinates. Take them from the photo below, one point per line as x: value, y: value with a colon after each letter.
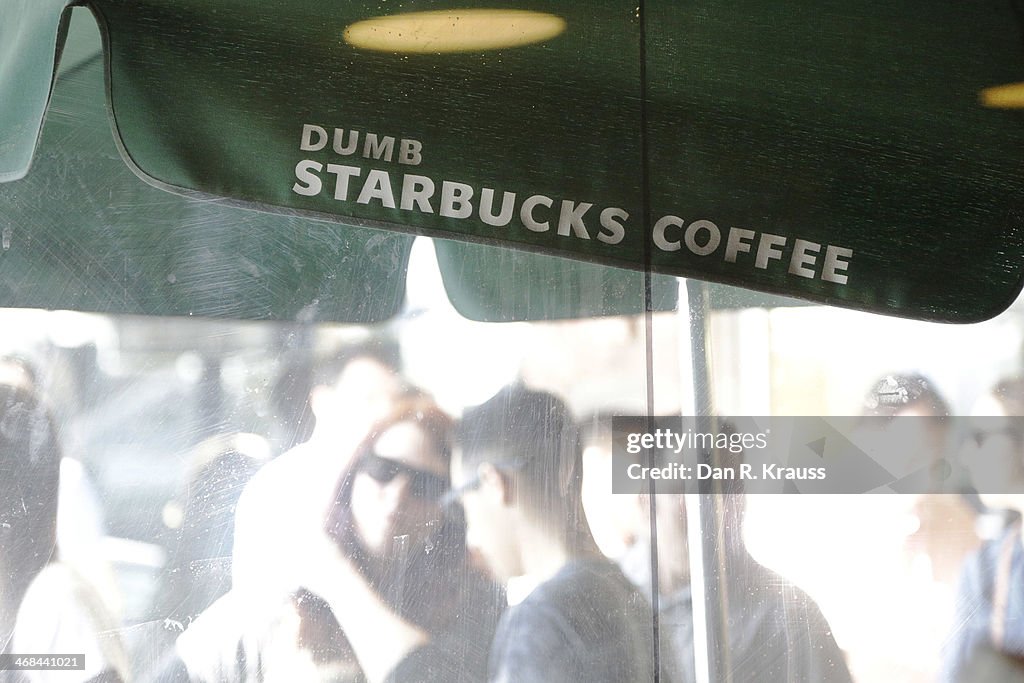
x: 704, y: 516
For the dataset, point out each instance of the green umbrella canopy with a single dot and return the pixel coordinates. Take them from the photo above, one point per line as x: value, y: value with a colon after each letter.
x: 838, y: 154
x: 82, y: 232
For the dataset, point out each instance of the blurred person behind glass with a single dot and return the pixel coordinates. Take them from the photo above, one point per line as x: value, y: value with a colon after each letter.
x: 918, y: 417
x: 291, y: 492
x: 387, y: 519
x: 776, y: 632
x: 45, y: 606
x: 199, y: 567
x: 987, y: 642
x: 518, y: 477
x: 614, y: 518
x: 80, y: 523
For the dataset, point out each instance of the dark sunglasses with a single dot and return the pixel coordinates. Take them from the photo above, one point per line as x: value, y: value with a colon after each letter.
x: 422, y: 484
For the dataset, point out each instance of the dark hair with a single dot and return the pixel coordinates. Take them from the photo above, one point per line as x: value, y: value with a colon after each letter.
x: 418, y: 584
x: 29, y: 475
x: 532, y: 435
x: 892, y: 394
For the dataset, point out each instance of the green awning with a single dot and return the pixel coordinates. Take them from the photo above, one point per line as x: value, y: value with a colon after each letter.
x: 840, y: 154
x: 82, y: 232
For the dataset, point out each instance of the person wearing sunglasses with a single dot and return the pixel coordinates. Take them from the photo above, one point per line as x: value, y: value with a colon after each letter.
x: 407, y: 548
x: 386, y: 530
x: 389, y: 521
x: 578, y: 618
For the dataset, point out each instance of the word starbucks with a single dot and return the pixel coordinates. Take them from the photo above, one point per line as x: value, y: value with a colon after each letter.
x: 767, y: 472
x: 535, y: 213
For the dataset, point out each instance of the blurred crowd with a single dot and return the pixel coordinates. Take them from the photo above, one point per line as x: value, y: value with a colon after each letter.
x: 398, y: 543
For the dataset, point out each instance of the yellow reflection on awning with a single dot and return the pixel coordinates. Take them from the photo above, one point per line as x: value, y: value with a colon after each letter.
x: 1010, y: 96
x: 463, y: 30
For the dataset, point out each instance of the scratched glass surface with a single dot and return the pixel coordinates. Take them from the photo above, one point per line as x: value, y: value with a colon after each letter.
x: 199, y: 457
x: 163, y: 422
x: 763, y: 168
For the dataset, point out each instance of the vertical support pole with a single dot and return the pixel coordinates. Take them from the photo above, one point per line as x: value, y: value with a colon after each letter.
x: 645, y: 200
x: 704, y: 516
